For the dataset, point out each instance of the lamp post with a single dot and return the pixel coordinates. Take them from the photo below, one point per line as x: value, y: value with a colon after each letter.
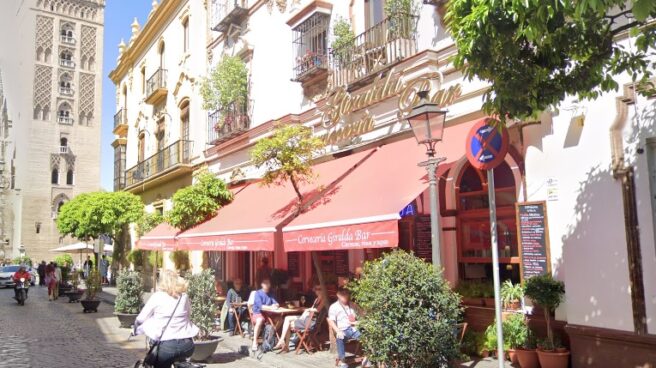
x: 427, y: 123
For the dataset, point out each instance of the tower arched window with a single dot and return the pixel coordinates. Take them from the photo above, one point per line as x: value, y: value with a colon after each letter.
x: 66, y: 59
x: 65, y: 84
x: 64, y: 115
x: 69, y: 177
x: 63, y: 142
x: 54, y: 176
x: 66, y: 34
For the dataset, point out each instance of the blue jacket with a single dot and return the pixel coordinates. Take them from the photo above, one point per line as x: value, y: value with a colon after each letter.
x: 262, y: 298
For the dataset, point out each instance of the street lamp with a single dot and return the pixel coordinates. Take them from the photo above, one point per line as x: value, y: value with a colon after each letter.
x: 427, y: 123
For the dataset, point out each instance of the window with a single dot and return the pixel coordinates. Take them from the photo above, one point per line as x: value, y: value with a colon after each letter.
x: 119, y: 167
x: 37, y: 112
x: 66, y: 34
x: 143, y: 81
x: 185, y: 34
x: 65, y: 84
x: 66, y: 59
x: 63, y: 142
x: 374, y: 12
x: 64, y: 114
x: 310, y: 44
x: 69, y: 177
x: 54, y: 176
x: 184, y: 128
x: 162, y: 49
x: 473, y: 227
x: 141, y: 147
x: 39, y: 53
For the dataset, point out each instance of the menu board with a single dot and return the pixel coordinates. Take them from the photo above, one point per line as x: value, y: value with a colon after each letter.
x: 532, y: 230
x: 341, y: 263
x: 423, y: 243
x: 294, y: 263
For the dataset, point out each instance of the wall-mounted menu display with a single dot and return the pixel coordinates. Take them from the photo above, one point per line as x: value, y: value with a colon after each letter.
x: 423, y: 244
x: 532, y: 230
x: 294, y: 264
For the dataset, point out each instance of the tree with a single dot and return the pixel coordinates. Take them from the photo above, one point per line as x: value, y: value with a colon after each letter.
x: 227, y: 84
x: 198, y: 202
x: 202, y: 295
x: 410, y: 312
x: 287, y: 155
x: 535, y: 52
x: 90, y: 215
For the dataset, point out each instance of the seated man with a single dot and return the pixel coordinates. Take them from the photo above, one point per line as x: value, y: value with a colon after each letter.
x: 342, y: 318
x: 21, y: 273
x: 236, y: 294
x: 262, y: 299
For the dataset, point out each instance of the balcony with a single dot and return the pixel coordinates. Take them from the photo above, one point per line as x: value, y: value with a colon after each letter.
x: 66, y: 91
x: 121, y: 123
x: 69, y: 40
x: 228, y: 12
x: 166, y: 163
x: 64, y: 150
x: 227, y: 124
x: 65, y: 120
x: 310, y: 40
x: 67, y: 63
x: 156, y: 87
x: 380, y: 47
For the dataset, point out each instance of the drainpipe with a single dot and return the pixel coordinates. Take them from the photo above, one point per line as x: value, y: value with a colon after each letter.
x: 625, y: 173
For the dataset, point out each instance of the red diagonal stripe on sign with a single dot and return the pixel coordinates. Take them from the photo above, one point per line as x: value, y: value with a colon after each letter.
x: 485, y: 143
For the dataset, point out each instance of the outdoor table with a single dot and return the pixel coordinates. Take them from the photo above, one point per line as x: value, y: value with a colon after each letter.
x: 235, y: 307
x: 277, y: 316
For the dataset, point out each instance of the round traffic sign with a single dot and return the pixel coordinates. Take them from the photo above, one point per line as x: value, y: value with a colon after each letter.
x: 487, y: 144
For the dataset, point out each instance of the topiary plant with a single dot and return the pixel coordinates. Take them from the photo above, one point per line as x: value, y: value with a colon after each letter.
x: 93, y: 285
x: 130, y: 292
x: 343, y: 41
x: 410, y: 312
x: 202, y: 295
x: 548, y: 293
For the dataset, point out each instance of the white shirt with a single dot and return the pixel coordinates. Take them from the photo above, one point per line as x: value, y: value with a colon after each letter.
x: 340, y: 315
x: 156, y: 313
x: 58, y: 274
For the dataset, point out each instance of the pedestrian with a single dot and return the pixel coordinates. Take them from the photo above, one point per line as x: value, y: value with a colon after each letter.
x: 51, y: 280
x: 41, y: 271
x: 88, y: 266
x: 58, y: 277
x: 104, y: 266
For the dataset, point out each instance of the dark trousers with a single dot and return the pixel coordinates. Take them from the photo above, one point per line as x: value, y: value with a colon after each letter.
x: 169, y: 352
x: 16, y: 292
x: 232, y: 320
x: 42, y: 279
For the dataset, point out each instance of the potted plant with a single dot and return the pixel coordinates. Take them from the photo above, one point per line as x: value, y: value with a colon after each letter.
x: 526, y: 353
x: 74, y: 294
x: 487, y: 293
x: 470, y: 292
x: 548, y: 293
x: 90, y: 302
x: 515, y: 332
x: 129, y: 297
x: 202, y: 295
x: 342, y: 48
x: 401, y: 26
x: 511, y: 294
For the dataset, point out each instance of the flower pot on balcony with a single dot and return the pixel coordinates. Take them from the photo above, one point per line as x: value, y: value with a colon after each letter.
x: 553, y: 358
x: 527, y: 358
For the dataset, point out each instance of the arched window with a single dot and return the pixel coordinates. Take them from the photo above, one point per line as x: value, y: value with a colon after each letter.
x: 162, y: 50
x: 91, y: 63
x: 185, y: 34
x: 54, y: 176
x: 39, y: 53
x: 63, y: 142
x: 69, y: 177
x: 184, y: 129
x: 64, y: 114
x: 473, y: 223
x: 66, y: 34
x: 89, y: 119
x: 37, y: 112
x: 66, y: 59
x: 46, y: 113
x: 65, y: 84
x: 47, y: 55
x: 83, y: 62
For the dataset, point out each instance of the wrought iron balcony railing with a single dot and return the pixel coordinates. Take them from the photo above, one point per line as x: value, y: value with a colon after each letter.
x: 225, y: 124
x: 227, y: 12
x: 67, y: 39
x: 65, y: 120
x: 66, y: 91
x: 121, y: 117
x: 309, y: 64
x: 175, y: 154
x: 156, y: 84
x: 67, y: 63
x: 379, y: 47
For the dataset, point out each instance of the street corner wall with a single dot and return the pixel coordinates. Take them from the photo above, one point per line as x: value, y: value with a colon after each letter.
x: 568, y: 165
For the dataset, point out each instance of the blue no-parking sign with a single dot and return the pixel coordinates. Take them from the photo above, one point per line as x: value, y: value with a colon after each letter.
x: 487, y: 144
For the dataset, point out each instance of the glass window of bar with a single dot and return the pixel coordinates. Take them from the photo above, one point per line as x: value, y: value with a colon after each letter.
x: 310, y: 40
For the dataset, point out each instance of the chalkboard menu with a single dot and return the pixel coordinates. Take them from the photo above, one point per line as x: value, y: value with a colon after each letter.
x: 294, y: 263
x: 423, y: 244
x: 341, y: 263
x: 533, y: 239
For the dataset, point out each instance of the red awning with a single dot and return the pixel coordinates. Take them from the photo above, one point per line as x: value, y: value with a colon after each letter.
x: 250, y: 222
x: 363, y: 209
x: 162, y: 237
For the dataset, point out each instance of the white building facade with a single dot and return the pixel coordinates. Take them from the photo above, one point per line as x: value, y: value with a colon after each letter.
x: 52, y: 84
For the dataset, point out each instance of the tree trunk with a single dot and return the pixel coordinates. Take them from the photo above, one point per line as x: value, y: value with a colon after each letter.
x: 547, y: 318
x: 299, y: 195
x: 324, y: 291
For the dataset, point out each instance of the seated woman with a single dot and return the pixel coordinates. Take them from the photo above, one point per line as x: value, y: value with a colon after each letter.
x: 299, y: 321
x: 237, y: 294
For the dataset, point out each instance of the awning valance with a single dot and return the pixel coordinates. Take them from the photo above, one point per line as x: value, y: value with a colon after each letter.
x: 161, y: 237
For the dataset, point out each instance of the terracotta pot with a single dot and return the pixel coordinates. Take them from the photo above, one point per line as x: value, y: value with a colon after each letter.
x: 527, y: 358
x: 203, y: 350
x: 514, y: 305
x: 512, y: 355
x: 485, y: 354
x: 553, y: 359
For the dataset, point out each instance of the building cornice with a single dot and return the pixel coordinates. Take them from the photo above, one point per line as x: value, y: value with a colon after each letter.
x: 155, y: 22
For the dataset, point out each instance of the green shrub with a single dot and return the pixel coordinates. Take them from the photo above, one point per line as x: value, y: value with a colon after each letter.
x: 202, y: 295
x: 130, y: 292
x: 181, y: 259
x: 548, y: 293
x: 410, y: 312
x: 473, y: 343
x: 24, y: 260
x: 511, y: 292
x: 93, y: 285
x: 155, y: 257
x: 515, y: 331
x: 137, y: 257
x: 64, y: 260
x: 344, y: 40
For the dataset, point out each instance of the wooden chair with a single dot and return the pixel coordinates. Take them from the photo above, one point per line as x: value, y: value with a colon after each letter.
x: 238, y: 320
x: 357, y: 352
x: 308, y: 339
x: 461, y: 328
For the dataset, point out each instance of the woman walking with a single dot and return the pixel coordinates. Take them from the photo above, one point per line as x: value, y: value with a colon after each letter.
x: 51, y: 281
x: 166, y: 320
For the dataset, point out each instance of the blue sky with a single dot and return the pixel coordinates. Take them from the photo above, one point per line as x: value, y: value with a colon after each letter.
x: 118, y: 17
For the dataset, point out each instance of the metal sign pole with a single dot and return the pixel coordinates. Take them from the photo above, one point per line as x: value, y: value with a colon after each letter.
x: 495, y: 265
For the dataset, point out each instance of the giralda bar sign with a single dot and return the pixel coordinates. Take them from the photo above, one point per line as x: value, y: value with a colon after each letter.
x: 341, y: 104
